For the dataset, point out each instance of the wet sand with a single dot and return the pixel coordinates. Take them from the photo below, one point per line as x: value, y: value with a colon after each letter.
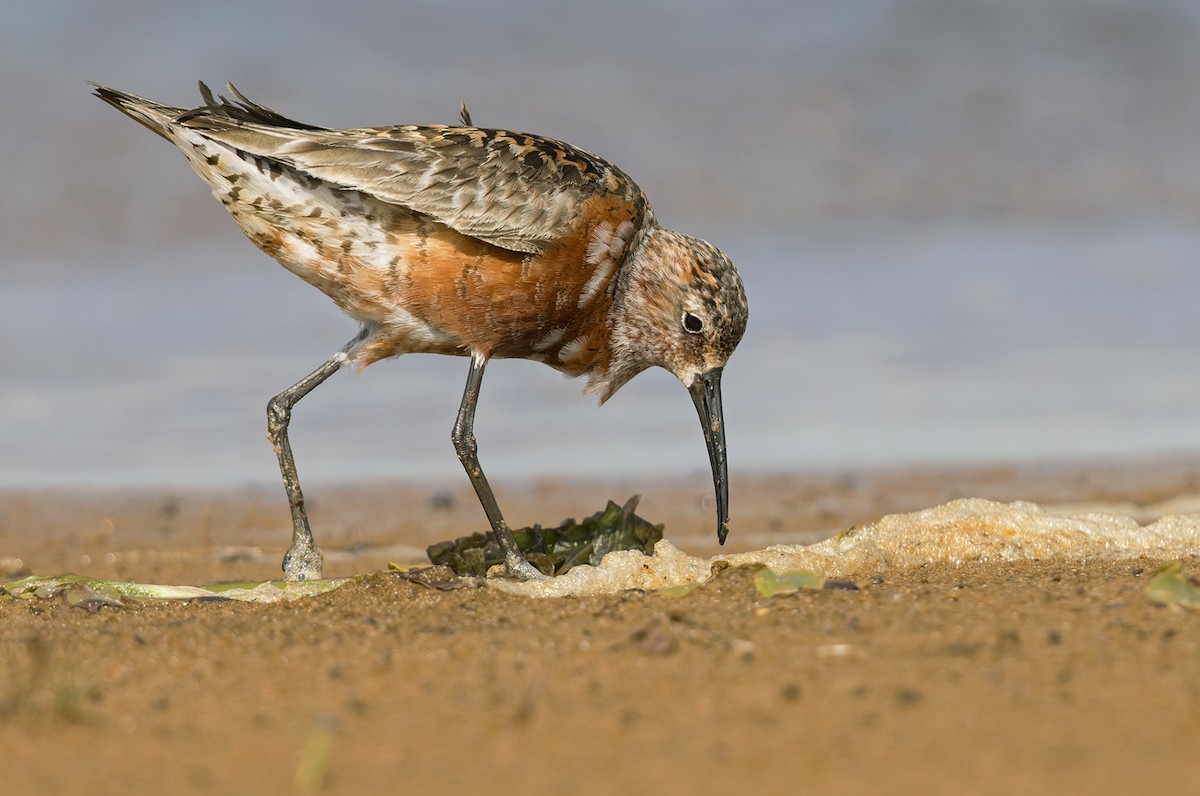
x: 980, y: 678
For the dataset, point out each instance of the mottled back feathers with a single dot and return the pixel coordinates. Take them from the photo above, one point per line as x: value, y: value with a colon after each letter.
x: 513, y: 190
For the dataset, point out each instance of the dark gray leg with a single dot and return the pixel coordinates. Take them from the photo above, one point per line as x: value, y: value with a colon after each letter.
x: 303, y: 559
x: 464, y: 444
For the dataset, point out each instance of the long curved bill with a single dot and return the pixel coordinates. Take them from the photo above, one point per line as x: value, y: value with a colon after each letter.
x: 706, y: 394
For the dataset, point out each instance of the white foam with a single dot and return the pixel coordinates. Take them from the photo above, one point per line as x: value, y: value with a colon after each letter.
x: 960, y: 531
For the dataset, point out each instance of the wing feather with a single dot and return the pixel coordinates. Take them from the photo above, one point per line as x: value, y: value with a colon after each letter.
x: 513, y: 190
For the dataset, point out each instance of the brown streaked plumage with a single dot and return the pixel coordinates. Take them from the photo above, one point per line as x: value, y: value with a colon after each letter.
x: 467, y: 241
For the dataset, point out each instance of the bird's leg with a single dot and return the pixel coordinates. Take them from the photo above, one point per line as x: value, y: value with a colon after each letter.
x: 302, y: 560
x: 464, y: 444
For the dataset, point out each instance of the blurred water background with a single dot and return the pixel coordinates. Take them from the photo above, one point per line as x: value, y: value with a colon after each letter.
x: 968, y: 230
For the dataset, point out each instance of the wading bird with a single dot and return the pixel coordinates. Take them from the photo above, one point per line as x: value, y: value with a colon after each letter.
x: 474, y: 242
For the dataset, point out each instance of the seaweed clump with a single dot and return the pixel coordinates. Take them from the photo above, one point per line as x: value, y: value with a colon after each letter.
x: 555, y: 550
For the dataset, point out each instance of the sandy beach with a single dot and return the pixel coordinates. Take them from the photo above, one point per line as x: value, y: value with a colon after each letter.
x: 982, y: 676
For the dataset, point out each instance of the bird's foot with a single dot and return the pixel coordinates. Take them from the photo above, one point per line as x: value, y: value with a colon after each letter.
x: 518, y: 567
x: 302, y: 562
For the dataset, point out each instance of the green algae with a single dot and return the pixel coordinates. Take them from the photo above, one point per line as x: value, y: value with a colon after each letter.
x: 555, y: 550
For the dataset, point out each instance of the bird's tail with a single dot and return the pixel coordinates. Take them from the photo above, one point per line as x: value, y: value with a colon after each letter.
x: 217, y: 112
x: 153, y: 115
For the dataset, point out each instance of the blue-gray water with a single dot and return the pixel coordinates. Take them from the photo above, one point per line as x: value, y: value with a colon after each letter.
x: 968, y: 231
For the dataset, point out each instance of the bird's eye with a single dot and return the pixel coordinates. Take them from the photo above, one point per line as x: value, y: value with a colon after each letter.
x: 692, y: 323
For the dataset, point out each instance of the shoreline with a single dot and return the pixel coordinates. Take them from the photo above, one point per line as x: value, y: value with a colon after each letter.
x: 240, y: 533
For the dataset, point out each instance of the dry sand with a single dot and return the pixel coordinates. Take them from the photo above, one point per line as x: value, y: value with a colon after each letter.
x: 1055, y: 675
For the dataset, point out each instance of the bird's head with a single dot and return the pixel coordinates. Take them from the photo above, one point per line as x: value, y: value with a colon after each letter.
x: 679, y: 304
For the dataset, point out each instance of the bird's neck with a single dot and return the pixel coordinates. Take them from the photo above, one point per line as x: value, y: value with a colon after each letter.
x: 630, y: 306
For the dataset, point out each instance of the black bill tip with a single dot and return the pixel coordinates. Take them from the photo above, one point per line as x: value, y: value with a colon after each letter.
x: 706, y: 395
